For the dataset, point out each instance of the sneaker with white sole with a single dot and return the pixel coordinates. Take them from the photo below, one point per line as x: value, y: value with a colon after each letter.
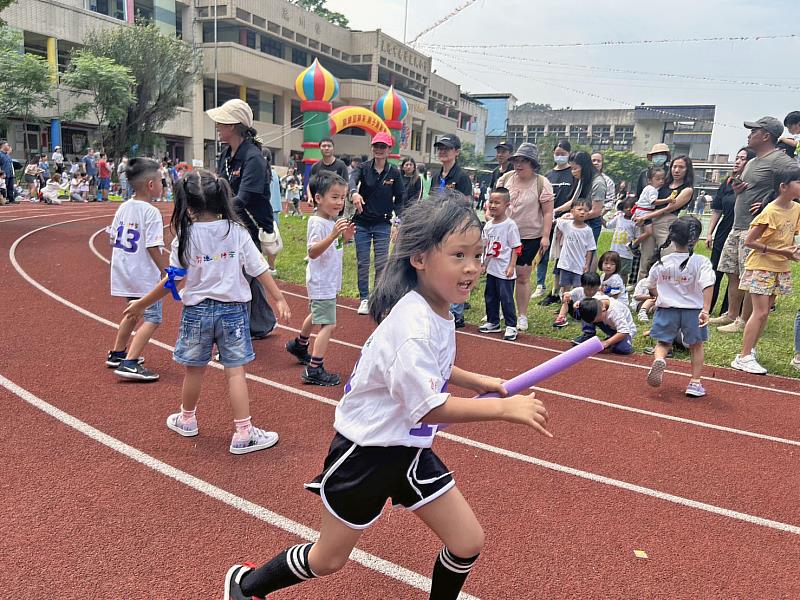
x: 233, y: 582
x: 748, y: 364
x: 538, y: 292
x: 723, y: 319
x: 656, y: 374
x: 642, y: 316
x: 695, y: 389
x: 114, y: 358
x: 736, y: 327
x: 257, y: 440
x: 363, y: 308
x: 511, y: 334
x: 490, y: 328
x: 135, y: 372
x: 795, y: 362
x: 181, y: 426
x: 522, y: 323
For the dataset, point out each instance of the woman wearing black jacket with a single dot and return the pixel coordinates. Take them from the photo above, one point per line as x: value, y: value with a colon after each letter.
x: 243, y: 165
x: 411, y: 182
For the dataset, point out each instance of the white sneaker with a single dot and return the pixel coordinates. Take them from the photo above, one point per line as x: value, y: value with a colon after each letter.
x: 511, y: 334
x: 748, y: 364
x: 490, y: 328
x: 363, y: 308
x: 258, y: 439
x: 538, y: 292
x: 643, y: 316
x: 522, y: 323
x: 736, y: 327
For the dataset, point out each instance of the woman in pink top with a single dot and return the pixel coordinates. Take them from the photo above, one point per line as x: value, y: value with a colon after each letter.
x: 531, y: 209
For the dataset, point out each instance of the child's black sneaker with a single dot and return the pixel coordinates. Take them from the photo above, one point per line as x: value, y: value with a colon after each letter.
x: 299, y: 351
x: 135, y: 372
x: 581, y: 338
x: 233, y: 582
x: 319, y: 376
x: 115, y: 358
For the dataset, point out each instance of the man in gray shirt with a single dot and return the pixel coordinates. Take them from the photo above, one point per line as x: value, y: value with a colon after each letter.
x: 753, y: 191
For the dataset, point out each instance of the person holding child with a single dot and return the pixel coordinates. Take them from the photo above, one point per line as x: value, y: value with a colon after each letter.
x: 326, y: 236
x: 502, y: 240
x: 682, y: 283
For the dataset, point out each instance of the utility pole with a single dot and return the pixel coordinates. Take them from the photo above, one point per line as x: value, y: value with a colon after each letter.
x: 405, y: 24
x: 216, y: 86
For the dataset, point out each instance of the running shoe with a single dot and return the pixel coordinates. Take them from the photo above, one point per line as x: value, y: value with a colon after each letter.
x: 510, y: 334
x: 581, y: 338
x: 319, y: 376
x: 723, y: 319
x: 257, y: 440
x: 459, y: 322
x: 656, y: 374
x: 695, y: 389
x: 181, y: 426
x: 748, y: 364
x: 795, y: 362
x: 233, y: 582
x: 522, y: 323
x: 538, y: 292
x: 115, y: 358
x: 643, y: 317
x: 135, y: 372
x: 736, y: 327
x: 363, y: 308
x: 549, y: 299
x: 299, y: 351
x: 490, y: 328
x: 560, y: 322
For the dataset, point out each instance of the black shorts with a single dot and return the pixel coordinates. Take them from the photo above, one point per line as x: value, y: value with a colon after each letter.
x: 357, y: 480
x: 529, y: 250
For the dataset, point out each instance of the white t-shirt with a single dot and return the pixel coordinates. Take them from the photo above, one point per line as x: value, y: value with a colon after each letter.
x: 681, y: 289
x: 619, y: 318
x: 578, y: 294
x: 324, y: 273
x: 137, y: 226
x: 647, y: 199
x: 500, y: 239
x: 624, y: 233
x: 215, y: 259
x: 575, y: 243
x: 614, y: 285
x: 401, y: 376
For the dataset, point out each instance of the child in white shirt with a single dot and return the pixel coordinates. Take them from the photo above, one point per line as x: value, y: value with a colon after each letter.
x: 52, y: 188
x: 325, y: 237
x: 387, y: 420
x: 501, y: 236
x: 647, y: 203
x: 624, y: 233
x: 210, y: 254
x: 577, y: 244
x: 613, y: 318
x: 590, y: 287
x: 683, y: 284
x: 611, y: 283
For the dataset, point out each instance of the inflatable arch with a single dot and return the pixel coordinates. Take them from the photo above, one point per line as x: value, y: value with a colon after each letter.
x: 356, y: 116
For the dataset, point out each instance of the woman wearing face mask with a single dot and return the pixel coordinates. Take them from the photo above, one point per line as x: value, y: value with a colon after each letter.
x: 659, y: 156
x: 678, y: 190
x: 561, y: 178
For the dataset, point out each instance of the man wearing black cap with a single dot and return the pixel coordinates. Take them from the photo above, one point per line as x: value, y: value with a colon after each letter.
x: 503, y: 153
x: 753, y: 191
x: 451, y: 176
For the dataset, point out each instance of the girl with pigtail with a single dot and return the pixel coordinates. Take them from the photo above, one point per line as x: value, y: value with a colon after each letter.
x: 683, y: 283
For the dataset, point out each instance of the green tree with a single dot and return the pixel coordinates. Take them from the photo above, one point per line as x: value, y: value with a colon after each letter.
x: 4, y: 4
x: 109, y: 87
x: 623, y: 166
x: 164, y: 70
x: 469, y: 158
x: 534, y: 106
x: 25, y: 80
x: 318, y: 8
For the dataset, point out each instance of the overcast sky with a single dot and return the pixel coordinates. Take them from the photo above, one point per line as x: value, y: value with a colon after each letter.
x: 774, y: 64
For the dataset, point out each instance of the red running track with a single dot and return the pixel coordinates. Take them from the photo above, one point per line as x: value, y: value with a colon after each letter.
x: 92, y: 519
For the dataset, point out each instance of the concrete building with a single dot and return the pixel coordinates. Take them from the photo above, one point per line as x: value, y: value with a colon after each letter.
x: 687, y: 129
x: 255, y: 52
x: 498, y: 107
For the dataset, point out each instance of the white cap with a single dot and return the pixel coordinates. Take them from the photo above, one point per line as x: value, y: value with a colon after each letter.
x: 232, y: 112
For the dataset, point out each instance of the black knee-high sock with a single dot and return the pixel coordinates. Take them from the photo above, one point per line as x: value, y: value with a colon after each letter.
x: 449, y: 574
x: 289, y: 568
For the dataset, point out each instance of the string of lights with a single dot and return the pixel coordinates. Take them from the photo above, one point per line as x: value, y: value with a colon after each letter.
x: 443, y: 20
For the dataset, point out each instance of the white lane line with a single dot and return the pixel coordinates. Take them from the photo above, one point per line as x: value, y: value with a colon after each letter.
x: 459, y: 439
x: 606, y: 360
x: 370, y: 561
x: 49, y: 214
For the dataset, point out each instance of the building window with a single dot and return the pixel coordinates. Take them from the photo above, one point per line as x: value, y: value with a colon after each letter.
x: 515, y: 134
x: 259, y: 22
x: 535, y: 133
x: 623, y: 137
x: 271, y: 46
x: 313, y: 44
x: 273, y: 28
x: 297, y: 115
x: 299, y: 57
x: 225, y: 92
x: 580, y: 133
x: 243, y: 15
x: 559, y: 131
x: 684, y: 126
x: 300, y: 39
x: 287, y: 33
x: 601, y: 134
x: 110, y: 8
x: 247, y: 37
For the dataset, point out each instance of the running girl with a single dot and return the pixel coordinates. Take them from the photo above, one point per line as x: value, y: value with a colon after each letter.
x: 682, y: 283
x: 209, y: 251
x: 385, y: 424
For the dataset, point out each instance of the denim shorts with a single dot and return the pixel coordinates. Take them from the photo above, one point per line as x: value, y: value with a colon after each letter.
x: 568, y: 278
x: 104, y: 183
x: 225, y: 324
x: 668, y: 322
x: 152, y: 314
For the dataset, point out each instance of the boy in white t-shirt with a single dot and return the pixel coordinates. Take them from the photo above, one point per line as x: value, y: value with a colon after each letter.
x: 577, y: 244
x: 137, y: 261
x: 614, y: 319
x: 501, y: 236
x: 325, y: 237
x: 624, y: 233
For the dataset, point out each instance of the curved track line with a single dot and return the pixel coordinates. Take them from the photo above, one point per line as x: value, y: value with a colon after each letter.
x: 624, y: 485
x: 623, y: 407
x: 375, y: 563
x: 49, y: 214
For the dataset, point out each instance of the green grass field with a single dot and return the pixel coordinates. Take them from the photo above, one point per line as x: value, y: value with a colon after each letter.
x: 774, y: 349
